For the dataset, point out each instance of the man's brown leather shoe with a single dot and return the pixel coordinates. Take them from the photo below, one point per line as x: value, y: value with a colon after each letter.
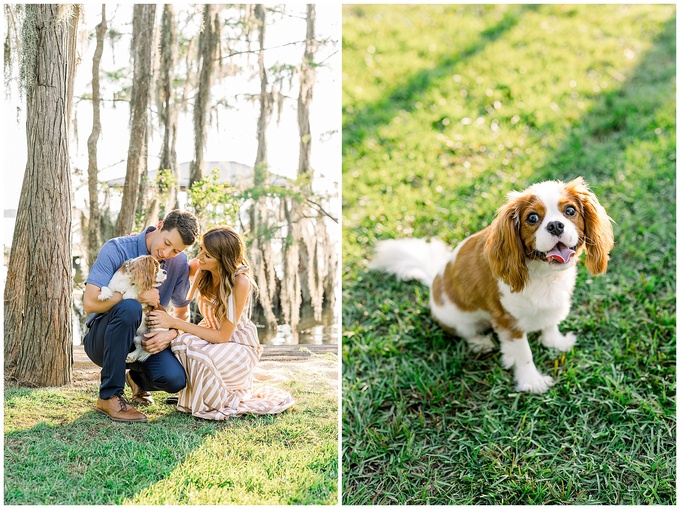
x: 119, y: 410
x: 138, y: 395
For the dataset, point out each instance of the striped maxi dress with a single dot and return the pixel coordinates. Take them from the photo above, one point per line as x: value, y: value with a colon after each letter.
x: 220, y: 375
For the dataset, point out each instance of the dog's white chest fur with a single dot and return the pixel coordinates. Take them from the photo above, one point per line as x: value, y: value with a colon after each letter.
x: 545, y: 300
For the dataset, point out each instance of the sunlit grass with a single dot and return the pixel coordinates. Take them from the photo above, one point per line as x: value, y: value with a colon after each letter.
x: 446, y: 109
x: 58, y: 450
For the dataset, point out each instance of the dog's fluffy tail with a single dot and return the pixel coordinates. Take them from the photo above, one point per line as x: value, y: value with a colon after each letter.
x: 411, y: 258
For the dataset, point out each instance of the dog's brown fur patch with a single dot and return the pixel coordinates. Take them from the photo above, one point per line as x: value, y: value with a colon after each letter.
x: 438, y: 290
x: 479, y: 287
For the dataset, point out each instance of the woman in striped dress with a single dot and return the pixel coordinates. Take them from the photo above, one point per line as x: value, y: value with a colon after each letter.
x: 220, y: 353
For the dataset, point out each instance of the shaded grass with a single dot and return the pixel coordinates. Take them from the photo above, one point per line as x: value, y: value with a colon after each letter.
x: 58, y: 450
x: 446, y: 109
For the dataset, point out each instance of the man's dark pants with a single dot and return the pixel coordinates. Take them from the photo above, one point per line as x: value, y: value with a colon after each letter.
x: 109, y: 340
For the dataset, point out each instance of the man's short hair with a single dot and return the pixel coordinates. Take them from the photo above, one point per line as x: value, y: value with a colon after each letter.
x: 186, y: 224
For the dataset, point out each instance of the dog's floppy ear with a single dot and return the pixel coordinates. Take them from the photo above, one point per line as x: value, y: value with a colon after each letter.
x: 504, y: 249
x: 143, y: 272
x: 599, y: 235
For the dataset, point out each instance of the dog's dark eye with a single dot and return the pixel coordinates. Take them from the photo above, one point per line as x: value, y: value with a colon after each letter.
x: 533, y: 218
x: 570, y: 211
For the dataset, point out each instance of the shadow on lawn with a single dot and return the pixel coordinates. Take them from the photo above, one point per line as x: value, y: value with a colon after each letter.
x: 93, y: 460
x: 366, y: 121
x: 597, y: 147
x: 594, y: 147
x: 616, y: 115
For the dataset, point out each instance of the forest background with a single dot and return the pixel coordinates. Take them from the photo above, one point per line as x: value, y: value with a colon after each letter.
x: 226, y: 89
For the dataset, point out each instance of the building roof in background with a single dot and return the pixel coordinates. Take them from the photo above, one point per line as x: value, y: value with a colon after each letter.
x: 237, y: 175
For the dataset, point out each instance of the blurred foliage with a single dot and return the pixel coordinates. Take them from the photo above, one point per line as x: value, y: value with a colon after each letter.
x: 213, y: 202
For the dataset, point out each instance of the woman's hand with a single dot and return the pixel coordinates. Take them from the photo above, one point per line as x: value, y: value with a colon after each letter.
x: 160, y: 319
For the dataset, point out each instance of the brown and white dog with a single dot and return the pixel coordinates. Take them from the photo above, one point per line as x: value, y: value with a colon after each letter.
x: 133, y: 277
x: 516, y: 276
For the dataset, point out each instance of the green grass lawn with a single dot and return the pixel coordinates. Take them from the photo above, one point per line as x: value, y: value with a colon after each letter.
x: 58, y: 450
x: 445, y: 110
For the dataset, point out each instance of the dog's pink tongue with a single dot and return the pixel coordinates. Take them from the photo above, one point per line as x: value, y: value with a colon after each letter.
x: 560, y: 253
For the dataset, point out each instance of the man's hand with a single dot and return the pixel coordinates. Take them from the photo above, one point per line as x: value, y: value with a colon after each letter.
x: 158, y: 341
x: 152, y: 297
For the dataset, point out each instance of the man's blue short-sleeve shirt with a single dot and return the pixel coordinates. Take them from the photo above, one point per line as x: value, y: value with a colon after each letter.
x: 116, y: 251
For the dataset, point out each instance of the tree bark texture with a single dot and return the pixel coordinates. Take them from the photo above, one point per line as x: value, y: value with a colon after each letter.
x: 307, y: 75
x: 93, y: 240
x: 142, y: 38
x: 38, y: 295
x: 72, y: 13
x: 208, y: 41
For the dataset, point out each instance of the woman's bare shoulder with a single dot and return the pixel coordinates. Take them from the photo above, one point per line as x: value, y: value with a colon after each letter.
x: 241, y: 282
x: 193, y: 267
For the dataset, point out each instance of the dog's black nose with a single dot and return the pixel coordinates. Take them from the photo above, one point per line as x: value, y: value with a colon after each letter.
x: 555, y: 228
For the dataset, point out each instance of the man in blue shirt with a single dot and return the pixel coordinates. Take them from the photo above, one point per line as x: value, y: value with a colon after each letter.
x: 114, y: 322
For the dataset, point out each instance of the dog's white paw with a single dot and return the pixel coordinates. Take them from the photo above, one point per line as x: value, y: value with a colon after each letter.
x: 566, y: 342
x: 480, y: 344
x: 507, y: 357
x: 533, y: 381
x: 131, y: 357
x: 553, y: 339
x: 105, y: 294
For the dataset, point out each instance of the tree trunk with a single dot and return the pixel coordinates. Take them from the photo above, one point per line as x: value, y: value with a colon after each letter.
x: 307, y: 75
x: 266, y: 102
x: 260, y: 217
x: 291, y: 291
x: 167, y: 107
x: 263, y: 269
x: 330, y: 283
x: 72, y: 12
x: 142, y: 38
x: 93, y: 239
x: 38, y: 295
x: 207, y: 46
x: 146, y: 190
x: 309, y: 244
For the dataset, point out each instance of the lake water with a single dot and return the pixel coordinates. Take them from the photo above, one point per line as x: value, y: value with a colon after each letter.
x: 309, y: 330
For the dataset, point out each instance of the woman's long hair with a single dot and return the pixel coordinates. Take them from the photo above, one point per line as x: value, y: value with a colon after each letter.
x: 228, y: 248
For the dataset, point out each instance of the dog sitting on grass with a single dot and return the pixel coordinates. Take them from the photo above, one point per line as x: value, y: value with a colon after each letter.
x: 515, y: 276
